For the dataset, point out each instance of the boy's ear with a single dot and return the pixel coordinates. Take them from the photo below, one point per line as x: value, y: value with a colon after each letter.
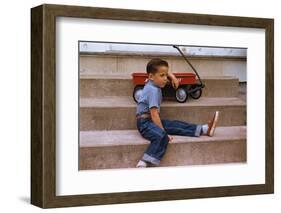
x: 150, y: 75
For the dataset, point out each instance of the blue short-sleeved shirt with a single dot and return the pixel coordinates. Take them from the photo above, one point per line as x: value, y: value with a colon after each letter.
x: 151, y: 96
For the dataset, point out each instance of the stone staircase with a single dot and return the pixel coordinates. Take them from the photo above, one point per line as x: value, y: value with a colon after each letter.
x: 109, y: 137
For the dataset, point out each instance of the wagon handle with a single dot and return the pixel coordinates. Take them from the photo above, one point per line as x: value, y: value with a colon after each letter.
x: 193, y: 68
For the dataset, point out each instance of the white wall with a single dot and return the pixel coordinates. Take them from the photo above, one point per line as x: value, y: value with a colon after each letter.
x: 15, y: 106
x: 154, y: 49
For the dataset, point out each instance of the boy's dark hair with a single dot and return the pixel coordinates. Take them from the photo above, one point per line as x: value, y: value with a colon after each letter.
x: 152, y: 65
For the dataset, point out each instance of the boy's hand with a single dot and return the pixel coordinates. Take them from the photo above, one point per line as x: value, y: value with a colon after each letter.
x: 170, y: 138
x: 175, y: 82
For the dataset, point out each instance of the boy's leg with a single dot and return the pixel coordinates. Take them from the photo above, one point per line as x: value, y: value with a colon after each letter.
x: 177, y: 127
x: 158, y: 143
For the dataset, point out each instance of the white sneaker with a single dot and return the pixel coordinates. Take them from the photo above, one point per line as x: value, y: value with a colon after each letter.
x: 141, y: 164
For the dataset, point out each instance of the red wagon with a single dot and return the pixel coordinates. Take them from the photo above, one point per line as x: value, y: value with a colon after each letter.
x: 188, y: 84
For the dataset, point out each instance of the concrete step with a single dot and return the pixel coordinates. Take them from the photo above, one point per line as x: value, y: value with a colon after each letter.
x: 118, y: 113
x: 122, y: 85
x: 124, y: 148
x: 127, y: 64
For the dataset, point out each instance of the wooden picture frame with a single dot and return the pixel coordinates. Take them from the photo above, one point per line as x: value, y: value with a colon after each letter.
x: 43, y: 105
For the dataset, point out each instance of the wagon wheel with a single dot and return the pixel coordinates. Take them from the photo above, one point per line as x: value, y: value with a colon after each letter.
x: 196, y: 94
x: 181, y: 94
x: 137, y: 93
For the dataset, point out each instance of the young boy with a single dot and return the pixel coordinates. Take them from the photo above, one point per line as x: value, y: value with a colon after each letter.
x: 149, y: 123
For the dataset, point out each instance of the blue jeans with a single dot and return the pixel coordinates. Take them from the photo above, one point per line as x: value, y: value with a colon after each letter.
x: 159, y: 138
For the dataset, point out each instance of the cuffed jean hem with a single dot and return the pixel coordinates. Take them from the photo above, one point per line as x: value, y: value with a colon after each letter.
x: 150, y: 159
x: 198, y: 130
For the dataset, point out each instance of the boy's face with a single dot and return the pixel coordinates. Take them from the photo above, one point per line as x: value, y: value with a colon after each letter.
x: 160, y: 78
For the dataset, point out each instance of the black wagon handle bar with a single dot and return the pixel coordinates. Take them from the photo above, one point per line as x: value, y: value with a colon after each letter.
x: 193, y: 68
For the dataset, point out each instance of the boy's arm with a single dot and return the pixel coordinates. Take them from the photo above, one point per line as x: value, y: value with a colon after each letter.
x: 174, y: 80
x: 155, y: 117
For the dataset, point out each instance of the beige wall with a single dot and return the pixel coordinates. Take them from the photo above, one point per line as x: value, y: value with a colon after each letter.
x: 125, y: 65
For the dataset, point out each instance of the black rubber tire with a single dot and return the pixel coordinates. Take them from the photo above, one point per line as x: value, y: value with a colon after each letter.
x: 136, y: 89
x: 197, y: 94
x: 183, y: 90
